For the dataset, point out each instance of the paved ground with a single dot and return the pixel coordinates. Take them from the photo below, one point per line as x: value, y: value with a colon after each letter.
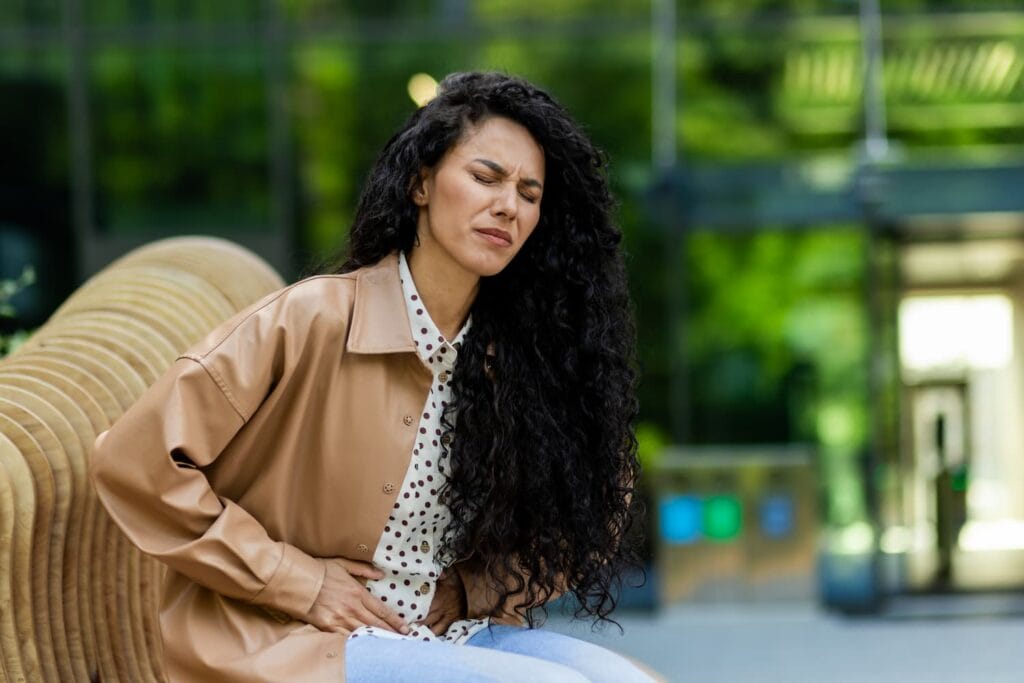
x: 926, y: 640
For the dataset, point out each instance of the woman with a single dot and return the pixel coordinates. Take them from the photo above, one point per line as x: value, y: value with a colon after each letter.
x: 381, y: 471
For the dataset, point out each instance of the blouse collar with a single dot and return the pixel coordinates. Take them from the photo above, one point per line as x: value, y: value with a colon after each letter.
x: 435, y: 351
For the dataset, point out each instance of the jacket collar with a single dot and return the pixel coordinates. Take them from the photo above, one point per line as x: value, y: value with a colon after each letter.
x: 380, y: 323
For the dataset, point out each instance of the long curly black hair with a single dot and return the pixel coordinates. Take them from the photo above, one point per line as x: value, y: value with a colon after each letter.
x: 543, y: 460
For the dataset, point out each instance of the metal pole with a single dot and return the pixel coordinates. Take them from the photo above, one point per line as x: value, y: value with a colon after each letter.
x: 663, y: 84
x: 875, y: 150
x: 664, y: 161
x: 876, y: 143
x: 79, y: 131
x: 280, y: 147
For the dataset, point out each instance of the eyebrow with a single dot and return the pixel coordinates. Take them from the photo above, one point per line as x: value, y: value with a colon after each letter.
x: 500, y: 170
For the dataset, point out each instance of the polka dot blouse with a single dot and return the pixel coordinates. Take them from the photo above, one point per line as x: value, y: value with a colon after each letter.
x: 408, y: 549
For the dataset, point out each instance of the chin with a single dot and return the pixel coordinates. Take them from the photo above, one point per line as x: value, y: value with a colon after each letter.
x: 486, y: 265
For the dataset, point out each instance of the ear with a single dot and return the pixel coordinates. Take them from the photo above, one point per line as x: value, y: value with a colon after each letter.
x: 418, y: 189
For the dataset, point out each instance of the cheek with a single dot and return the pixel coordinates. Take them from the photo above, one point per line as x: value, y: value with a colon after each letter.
x: 449, y: 198
x: 529, y: 219
x: 460, y: 194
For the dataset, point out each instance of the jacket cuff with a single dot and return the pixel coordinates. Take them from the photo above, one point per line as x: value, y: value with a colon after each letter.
x: 295, y: 584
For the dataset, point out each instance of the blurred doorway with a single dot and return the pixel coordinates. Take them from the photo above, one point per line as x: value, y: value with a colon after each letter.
x: 962, y: 462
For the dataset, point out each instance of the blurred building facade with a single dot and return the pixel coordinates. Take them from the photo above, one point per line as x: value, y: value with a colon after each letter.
x: 822, y: 205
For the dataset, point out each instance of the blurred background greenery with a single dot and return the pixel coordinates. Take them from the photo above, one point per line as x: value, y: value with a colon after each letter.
x: 767, y: 184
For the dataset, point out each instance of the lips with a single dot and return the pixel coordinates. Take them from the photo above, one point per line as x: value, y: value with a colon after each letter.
x: 495, y: 236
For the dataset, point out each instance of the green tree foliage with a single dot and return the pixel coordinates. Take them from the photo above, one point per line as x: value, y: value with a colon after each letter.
x: 776, y: 345
x: 8, y: 290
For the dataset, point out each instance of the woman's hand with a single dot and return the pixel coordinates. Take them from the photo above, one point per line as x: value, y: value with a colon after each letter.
x: 449, y: 603
x: 344, y: 604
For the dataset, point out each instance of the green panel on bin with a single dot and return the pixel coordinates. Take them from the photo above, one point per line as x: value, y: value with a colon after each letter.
x: 723, y: 518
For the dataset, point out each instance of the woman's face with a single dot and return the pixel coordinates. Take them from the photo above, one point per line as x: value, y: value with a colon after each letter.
x: 481, y: 202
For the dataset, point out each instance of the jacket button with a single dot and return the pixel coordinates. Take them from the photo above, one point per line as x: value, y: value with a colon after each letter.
x: 424, y: 547
x: 424, y: 589
x: 388, y: 487
x: 362, y: 548
x: 446, y: 439
x: 407, y: 420
x: 444, y: 376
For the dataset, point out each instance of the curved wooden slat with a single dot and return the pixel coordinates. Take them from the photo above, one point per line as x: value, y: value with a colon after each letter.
x: 77, y: 601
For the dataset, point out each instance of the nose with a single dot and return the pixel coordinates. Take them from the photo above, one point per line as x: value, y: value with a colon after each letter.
x: 505, y: 203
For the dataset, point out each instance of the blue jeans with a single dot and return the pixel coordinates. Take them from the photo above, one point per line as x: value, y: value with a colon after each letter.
x: 501, y: 653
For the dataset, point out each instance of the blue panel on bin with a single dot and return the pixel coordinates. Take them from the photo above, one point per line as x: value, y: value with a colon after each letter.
x: 680, y: 519
x: 778, y: 517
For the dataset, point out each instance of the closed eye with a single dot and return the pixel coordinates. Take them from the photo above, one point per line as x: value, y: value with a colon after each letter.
x: 483, y: 179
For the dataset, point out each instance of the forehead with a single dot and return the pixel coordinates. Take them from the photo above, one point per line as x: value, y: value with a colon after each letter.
x: 505, y: 142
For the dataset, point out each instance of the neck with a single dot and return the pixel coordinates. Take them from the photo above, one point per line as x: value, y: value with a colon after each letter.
x: 447, y: 289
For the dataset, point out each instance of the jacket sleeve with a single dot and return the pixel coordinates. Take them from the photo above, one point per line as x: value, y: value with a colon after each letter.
x: 145, y: 469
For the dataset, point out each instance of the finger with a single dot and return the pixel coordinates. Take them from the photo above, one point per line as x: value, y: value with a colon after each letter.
x: 370, y: 619
x: 363, y: 569
x: 387, y: 614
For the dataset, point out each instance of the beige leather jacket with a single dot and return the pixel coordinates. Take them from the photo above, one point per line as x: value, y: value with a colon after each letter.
x: 281, y: 438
